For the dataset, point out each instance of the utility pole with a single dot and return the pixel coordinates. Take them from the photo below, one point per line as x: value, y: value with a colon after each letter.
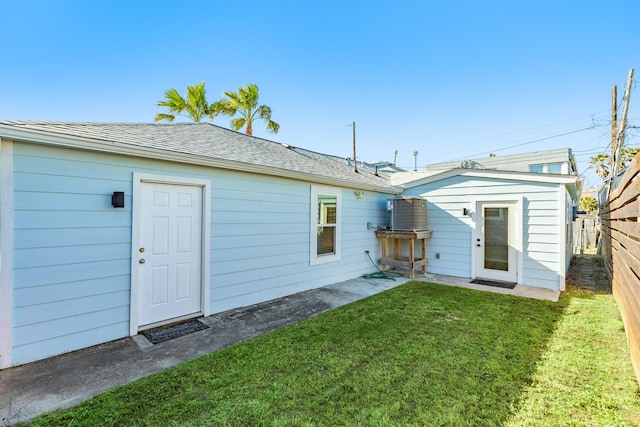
x: 622, y: 125
x: 355, y: 162
x: 614, y: 124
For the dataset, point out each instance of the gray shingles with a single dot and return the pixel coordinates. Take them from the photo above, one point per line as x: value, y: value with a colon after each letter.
x: 209, y: 141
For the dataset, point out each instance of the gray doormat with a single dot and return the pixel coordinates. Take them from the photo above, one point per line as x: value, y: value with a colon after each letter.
x: 506, y: 285
x: 156, y: 336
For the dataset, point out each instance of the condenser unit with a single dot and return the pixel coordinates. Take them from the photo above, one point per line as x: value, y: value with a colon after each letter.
x: 407, y: 213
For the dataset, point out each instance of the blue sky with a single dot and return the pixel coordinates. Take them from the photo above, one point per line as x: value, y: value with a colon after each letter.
x: 451, y: 80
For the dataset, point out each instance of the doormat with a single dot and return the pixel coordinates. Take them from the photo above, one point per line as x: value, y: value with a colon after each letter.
x: 156, y: 336
x: 506, y: 285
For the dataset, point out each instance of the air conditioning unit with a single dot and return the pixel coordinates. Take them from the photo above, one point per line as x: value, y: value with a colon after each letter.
x: 407, y: 213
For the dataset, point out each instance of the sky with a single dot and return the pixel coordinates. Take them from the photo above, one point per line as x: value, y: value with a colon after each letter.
x: 452, y: 80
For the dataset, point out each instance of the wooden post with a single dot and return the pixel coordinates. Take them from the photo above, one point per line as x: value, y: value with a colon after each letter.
x: 384, y: 253
x: 622, y: 125
x: 424, y: 255
x: 614, y: 124
x: 412, y: 257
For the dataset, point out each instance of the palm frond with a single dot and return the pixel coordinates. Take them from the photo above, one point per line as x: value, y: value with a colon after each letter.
x: 238, y: 123
x: 167, y: 117
x: 195, y: 106
x: 265, y: 112
x: 272, y: 126
x: 223, y: 106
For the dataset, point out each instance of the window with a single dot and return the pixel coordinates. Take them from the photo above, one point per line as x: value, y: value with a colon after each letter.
x: 546, y: 168
x: 554, y: 168
x: 325, y: 224
x: 536, y: 168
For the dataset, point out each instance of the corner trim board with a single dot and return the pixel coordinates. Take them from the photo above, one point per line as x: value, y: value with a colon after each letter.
x: 6, y: 253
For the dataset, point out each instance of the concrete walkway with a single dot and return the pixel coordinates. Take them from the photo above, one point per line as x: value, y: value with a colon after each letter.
x: 66, y: 380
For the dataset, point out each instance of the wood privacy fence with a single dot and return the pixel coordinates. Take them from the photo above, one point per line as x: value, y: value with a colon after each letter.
x: 621, y: 251
x: 585, y: 231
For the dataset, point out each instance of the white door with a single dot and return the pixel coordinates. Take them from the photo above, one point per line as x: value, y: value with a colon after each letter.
x: 496, y: 248
x: 169, y: 253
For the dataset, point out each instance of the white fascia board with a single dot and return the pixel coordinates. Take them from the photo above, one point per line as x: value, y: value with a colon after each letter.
x: 113, y: 147
x: 495, y: 174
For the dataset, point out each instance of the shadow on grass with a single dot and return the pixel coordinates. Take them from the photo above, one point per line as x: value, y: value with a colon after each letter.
x: 587, y: 276
x: 419, y: 354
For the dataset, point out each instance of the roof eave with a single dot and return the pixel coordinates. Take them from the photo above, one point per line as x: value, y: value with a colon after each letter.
x: 113, y: 147
x: 495, y: 174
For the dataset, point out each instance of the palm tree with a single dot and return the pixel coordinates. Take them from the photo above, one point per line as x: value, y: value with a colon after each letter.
x: 245, y: 103
x: 601, y: 163
x: 195, y: 106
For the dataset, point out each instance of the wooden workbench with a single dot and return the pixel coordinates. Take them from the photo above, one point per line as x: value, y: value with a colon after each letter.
x: 395, y: 259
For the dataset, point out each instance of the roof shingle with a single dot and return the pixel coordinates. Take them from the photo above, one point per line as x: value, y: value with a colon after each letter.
x: 208, y: 141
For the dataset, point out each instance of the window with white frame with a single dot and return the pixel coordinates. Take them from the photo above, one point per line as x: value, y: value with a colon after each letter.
x: 555, y: 168
x: 325, y: 224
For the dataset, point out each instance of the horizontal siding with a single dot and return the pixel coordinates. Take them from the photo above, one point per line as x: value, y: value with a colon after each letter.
x: 56, y: 344
x: 271, y: 258
x: 452, y: 231
x: 32, y: 238
x: 73, y: 249
x: 26, y: 296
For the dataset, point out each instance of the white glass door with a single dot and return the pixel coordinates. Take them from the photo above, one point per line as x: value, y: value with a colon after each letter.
x: 496, y: 255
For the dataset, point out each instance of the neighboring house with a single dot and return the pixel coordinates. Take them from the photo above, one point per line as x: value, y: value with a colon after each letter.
x: 560, y: 161
x: 214, y: 220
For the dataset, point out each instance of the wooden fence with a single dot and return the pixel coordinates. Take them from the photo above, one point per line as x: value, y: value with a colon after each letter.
x: 585, y: 233
x: 621, y: 251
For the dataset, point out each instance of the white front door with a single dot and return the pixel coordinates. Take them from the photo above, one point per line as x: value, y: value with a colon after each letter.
x: 496, y: 241
x: 169, y: 253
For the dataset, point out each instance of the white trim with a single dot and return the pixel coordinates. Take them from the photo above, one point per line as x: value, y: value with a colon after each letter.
x: 518, y: 231
x: 494, y: 174
x: 113, y: 147
x: 6, y: 253
x: 562, y: 253
x: 138, y: 180
x: 317, y: 190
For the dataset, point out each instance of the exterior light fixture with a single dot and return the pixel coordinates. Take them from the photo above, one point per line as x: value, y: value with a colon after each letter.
x: 117, y: 200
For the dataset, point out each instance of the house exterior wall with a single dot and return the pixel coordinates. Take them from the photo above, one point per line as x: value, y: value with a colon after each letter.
x: 513, y: 162
x: 72, y: 249
x: 542, y: 222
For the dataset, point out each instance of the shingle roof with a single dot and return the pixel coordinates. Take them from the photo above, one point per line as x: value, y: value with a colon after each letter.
x: 206, y: 142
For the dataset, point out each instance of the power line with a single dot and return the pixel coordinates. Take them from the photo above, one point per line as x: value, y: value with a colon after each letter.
x: 529, y: 142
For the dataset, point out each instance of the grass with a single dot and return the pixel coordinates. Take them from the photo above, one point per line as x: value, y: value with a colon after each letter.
x: 419, y: 354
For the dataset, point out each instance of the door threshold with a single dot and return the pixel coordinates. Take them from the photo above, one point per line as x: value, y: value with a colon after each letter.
x: 496, y: 283
x: 169, y: 322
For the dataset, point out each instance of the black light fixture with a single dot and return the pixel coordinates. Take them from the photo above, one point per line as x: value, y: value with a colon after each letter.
x: 117, y: 200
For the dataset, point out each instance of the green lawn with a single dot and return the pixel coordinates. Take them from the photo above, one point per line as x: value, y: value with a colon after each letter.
x: 420, y: 354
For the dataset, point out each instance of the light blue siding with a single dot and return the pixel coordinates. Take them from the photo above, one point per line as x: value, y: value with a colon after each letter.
x: 452, y: 231
x: 72, y: 262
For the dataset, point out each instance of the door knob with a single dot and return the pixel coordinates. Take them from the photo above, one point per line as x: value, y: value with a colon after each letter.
x: 141, y: 261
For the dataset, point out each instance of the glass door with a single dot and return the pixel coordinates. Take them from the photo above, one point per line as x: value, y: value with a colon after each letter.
x: 496, y: 254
